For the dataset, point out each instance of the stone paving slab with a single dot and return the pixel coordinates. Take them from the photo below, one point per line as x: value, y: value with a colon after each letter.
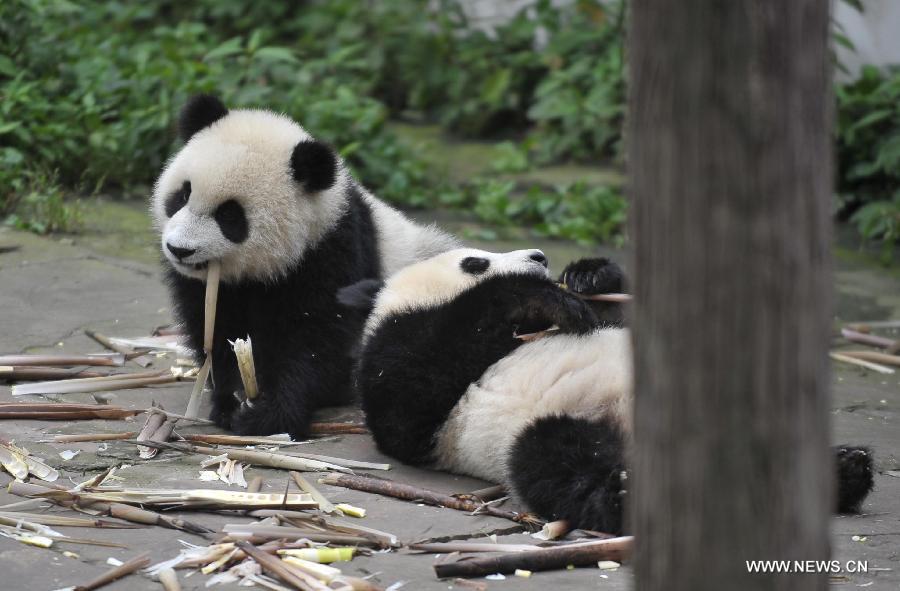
x: 50, y: 290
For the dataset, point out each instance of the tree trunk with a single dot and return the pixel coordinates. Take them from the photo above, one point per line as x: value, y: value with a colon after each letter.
x: 730, y: 175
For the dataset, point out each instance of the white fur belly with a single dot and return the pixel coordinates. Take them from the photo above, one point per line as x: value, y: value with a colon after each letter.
x: 585, y: 376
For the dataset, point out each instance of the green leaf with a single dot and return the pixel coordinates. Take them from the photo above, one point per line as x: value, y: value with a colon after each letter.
x: 276, y: 54
x: 231, y: 47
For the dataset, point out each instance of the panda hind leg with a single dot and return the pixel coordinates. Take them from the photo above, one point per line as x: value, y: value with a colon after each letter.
x: 574, y: 469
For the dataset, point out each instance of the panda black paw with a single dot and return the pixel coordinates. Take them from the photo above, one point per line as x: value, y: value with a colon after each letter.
x: 855, y: 476
x: 550, y: 306
x: 261, y: 417
x: 593, y: 276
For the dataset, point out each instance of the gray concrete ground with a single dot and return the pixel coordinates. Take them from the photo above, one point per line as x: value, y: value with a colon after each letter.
x: 52, y: 289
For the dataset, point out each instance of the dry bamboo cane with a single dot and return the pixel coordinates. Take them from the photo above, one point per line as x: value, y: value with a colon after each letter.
x: 874, y: 356
x: 63, y: 411
x: 105, y: 359
x: 869, y: 339
x: 276, y: 567
x: 133, y: 565
x: 408, y: 492
x: 24, y: 373
x: 209, y: 324
x: 129, y: 353
x: 338, y: 429
x: 580, y: 554
x: 101, y: 384
x: 861, y: 362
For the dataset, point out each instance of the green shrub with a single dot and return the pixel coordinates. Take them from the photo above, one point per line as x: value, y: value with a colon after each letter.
x: 868, y: 138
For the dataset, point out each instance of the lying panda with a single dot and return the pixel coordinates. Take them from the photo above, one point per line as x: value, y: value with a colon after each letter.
x: 446, y: 382
x: 281, y: 213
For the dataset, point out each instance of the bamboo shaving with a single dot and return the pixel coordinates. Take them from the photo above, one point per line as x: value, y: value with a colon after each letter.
x: 243, y: 350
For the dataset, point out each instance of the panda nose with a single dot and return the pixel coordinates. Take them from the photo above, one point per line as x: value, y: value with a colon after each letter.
x: 180, y: 253
x: 539, y: 257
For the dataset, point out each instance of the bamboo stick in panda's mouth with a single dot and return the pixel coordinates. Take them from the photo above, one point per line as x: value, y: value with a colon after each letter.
x: 209, y: 316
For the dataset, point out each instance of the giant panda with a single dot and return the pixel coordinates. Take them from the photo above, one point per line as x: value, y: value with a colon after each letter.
x: 280, y: 211
x: 447, y: 381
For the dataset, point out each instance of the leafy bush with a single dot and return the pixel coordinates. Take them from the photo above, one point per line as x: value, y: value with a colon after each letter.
x: 868, y: 138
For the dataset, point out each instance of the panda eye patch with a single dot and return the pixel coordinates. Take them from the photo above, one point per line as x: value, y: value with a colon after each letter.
x: 232, y: 221
x: 474, y: 265
x: 178, y: 199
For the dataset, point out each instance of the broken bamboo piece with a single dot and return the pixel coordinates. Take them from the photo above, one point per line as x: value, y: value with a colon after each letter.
x: 861, y: 363
x: 21, y: 373
x: 408, y: 492
x: 874, y: 356
x: 209, y: 324
x: 274, y: 566
x: 862, y: 338
x: 129, y: 352
x: 558, y: 557
x: 338, y: 429
x: 101, y: 384
x: 243, y: 351
x: 92, y: 437
x: 61, y: 411
x: 325, y: 505
x: 257, y: 457
x: 53, y: 360
x: 125, y: 569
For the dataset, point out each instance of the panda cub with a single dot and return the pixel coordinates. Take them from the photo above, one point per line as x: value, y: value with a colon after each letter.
x: 280, y: 212
x: 445, y: 382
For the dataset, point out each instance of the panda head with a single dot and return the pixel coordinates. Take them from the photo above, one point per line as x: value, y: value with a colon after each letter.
x: 250, y: 189
x: 438, y: 280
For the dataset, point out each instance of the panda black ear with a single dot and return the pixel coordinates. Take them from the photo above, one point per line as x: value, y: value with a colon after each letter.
x: 361, y: 295
x: 314, y: 165
x: 200, y: 112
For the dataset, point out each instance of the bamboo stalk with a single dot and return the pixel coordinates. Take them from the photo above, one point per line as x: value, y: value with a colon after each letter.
x: 346, y: 463
x: 96, y: 359
x: 133, y: 565
x: 338, y: 429
x: 12, y: 517
x: 606, y: 297
x: 408, y: 492
x: 169, y: 580
x: 161, y: 435
x: 63, y: 411
x: 558, y: 557
x: 861, y: 362
x: 277, y: 532
x: 209, y: 324
x: 448, y: 547
x: 129, y: 352
x: 383, y: 539
x: 243, y: 351
x: 90, y: 437
x: 869, y: 339
x: 276, y: 567
x: 218, y: 439
x: 874, y: 356
x: 101, y: 384
x: 324, y: 504
x: 865, y: 326
x: 27, y: 374
x: 263, y: 458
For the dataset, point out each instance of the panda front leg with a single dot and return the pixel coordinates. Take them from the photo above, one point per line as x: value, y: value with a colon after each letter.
x: 289, y: 394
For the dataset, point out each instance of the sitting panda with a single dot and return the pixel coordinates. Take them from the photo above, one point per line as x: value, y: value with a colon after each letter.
x: 445, y: 382
x: 289, y: 225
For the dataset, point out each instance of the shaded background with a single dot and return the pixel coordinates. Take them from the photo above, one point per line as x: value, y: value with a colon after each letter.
x: 509, y: 114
